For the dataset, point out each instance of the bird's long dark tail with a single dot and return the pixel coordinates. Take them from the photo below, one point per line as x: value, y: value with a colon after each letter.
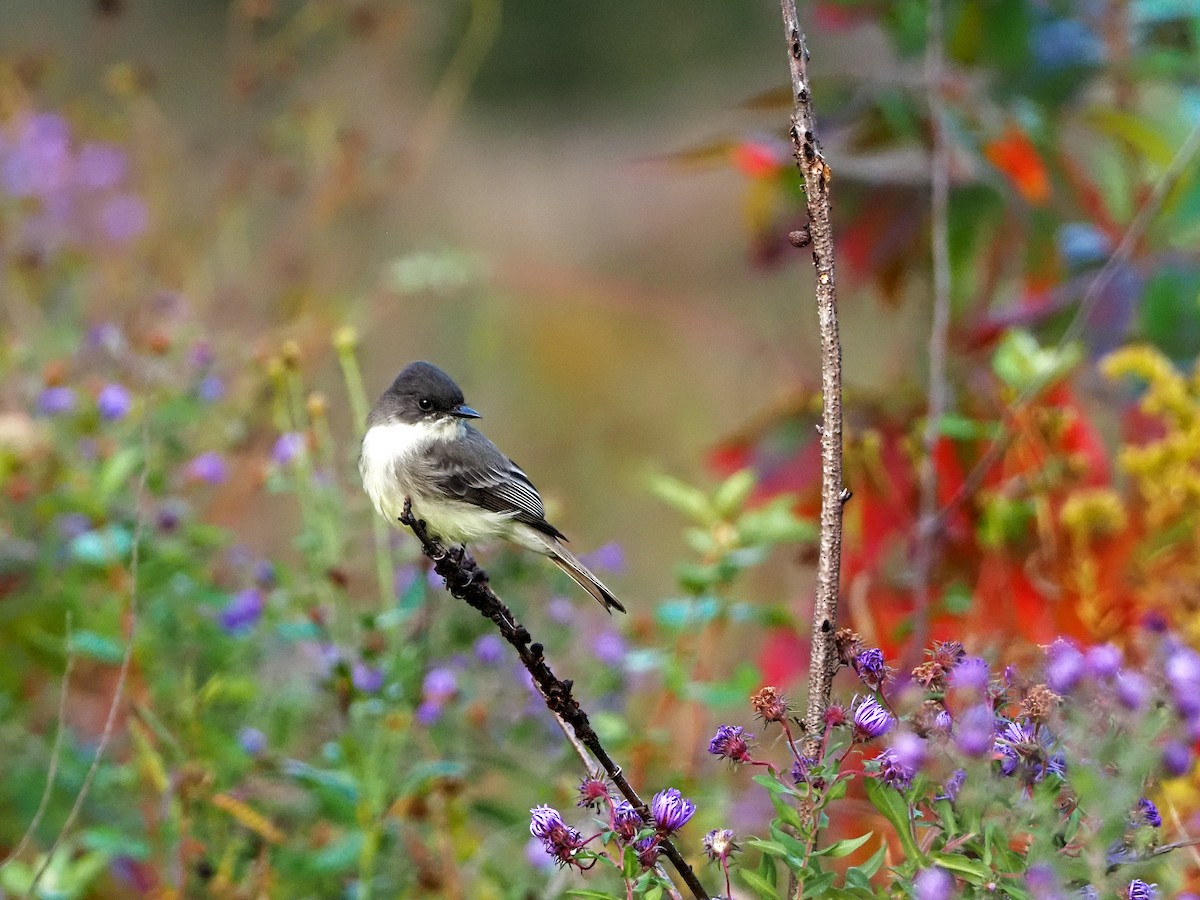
x: 578, y: 572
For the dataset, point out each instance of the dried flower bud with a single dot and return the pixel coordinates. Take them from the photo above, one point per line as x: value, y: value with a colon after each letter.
x: 931, y: 675
x: 1039, y: 703
x: 847, y: 644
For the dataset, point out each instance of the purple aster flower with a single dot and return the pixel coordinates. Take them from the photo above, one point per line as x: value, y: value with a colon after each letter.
x: 647, y: 851
x: 970, y: 675
x: 559, y: 839
x: 489, y: 649
x: 39, y: 161
x: 210, y: 389
x: 264, y: 573
x: 1104, y: 661
x: 1177, y: 759
x: 609, y: 648
x: 1025, y: 748
x: 626, y: 822
x: 719, y: 844
x: 252, y: 741
x: 1145, y: 813
x: 561, y: 610
x: 610, y: 558
x: 1182, y: 669
x: 100, y: 165
x: 72, y: 525
x: 952, y: 786
x: 870, y: 719
x: 730, y: 742
x: 54, y: 401
x: 439, y: 685
x: 1043, y: 882
x: 113, y: 402
x: 208, y: 467
x: 671, y: 810
x: 975, y: 730
x: 243, y: 611
x: 943, y: 722
x: 123, y: 217
x: 593, y: 792
x: 287, y: 447
x: 909, y: 750
x: 1064, y: 666
x: 892, y: 772
x: 871, y: 668
x: 1133, y: 690
x: 535, y: 854
x: 933, y: 884
x: 365, y: 678
x: 1139, y: 890
x: 170, y: 514
x: 428, y: 712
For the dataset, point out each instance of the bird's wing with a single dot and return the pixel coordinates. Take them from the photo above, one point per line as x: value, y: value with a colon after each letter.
x: 473, y: 470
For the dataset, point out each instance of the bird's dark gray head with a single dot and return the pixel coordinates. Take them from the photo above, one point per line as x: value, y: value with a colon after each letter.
x: 420, y: 393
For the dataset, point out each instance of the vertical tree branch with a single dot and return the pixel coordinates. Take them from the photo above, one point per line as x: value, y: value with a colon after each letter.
x: 939, y: 169
x: 817, y: 176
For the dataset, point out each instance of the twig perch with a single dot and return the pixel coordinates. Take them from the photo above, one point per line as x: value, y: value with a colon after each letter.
x: 817, y: 176
x: 466, y: 581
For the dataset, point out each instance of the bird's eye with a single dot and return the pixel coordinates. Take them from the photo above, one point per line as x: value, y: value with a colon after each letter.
x: 425, y: 403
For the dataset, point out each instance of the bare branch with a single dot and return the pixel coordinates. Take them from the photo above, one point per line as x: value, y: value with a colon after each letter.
x: 466, y: 581
x: 817, y: 176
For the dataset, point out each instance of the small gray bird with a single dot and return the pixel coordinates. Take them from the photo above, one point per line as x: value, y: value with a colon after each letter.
x: 419, y: 445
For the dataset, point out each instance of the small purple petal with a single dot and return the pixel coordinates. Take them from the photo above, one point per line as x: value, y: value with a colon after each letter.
x: 1104, y: 661
x: 1064, y: 666
x: 287, y: 447
x: 1177, y: 759
x: 489, y: 649
x: 123, y: 217
x: 609, y: 648
x: 439, y: 685
x: 252, y: 741
x: 208, y: 467
x: 54, y: 401
x: 101, y: 165
x: 113, y: 402
x: 211, y: 389
x: 1133, y: 690
x: 971, y: 674
x: 975, y: 730
x: 610, y: 558
x: 933, y: 884
x: 365, y: 678
x: 243, y: 611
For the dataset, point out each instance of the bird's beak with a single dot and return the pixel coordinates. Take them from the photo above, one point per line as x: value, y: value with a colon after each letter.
x: 463, y: 411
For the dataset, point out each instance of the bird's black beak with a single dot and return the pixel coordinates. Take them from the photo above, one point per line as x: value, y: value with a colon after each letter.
x: 463, y: 411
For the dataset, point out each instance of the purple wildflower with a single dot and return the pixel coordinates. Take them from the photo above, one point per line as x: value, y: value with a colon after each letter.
x: 975, y: 730
x: 72, y: 525
x: 1183, y: 674
x: 1043, y: 882
x: 871, y: 668
x: 671, y: 810
x: 39, y: 161
x: 252, y: 741
x: 100, y: 166
x: 288, y: 446
x: 489, y: 649
x: 561, y: 610
x: 626, y: 822
x: 123, y: 217
x: 210, y: 389
x: 1145, y: 813
x: 1064, y: 666
x: 365, y: 678
x: 1024, y: 748
x: 647, y: 851
x: 909, y: 750
x: 264, y: 573
x: 1133, y: 690
x: 952, y: 786
x: 610, y: 557
x: 1177, y: 759
x: 893, y: 772
x: 730, y: 742
x: 1139, y: 890
x: 593, y: 792
x: 54, y: 401
x: 870, y: 719
x: 609, y: 647
x: 933, y: 884
x: 113, y: 402
x: 1103, y: 661
x: 560, y: 840
x: 535, y: 854
x: 971, y: 674
x: 208, y: 467
x: 439, y: 685
x: 243, y: 611
x: 428, y: 712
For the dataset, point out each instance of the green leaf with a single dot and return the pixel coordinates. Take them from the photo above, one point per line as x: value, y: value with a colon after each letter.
x: 861, y: 875
x: 686, y: 499
x: 96, y: 646
x: 893, y: 807
x: 973, y: 870
x: 818, y: 885
x: 1022, y: 364
x: 774, y: 785
x: 758, y: 884
x: 655, y: 893
x: 590, y: 895
x: 844, y: 847
x: 338, y: 855
x: 116, y: 471
x: 732, y: 494
x: 786, y: 812
x: 1170, y: 313
x: 771, y: 848
x: 964, y: 428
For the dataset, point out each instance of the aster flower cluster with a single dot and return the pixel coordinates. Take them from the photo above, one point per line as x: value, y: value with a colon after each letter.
x: 957, y: 738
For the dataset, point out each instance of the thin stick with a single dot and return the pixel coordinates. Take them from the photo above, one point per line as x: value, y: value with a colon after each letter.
x: 466, y: 581
x: 119, y: 691
x: 55, y: 751
x: 817, y: 175
x: 939, y: 331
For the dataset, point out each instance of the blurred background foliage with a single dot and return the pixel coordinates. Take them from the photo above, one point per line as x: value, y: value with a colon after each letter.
x: 224, y: 227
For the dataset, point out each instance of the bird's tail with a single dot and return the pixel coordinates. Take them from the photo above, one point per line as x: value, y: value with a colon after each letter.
x: 578, y: 572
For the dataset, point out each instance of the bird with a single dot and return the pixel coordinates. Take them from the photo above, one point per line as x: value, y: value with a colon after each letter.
x: 421, y: 447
